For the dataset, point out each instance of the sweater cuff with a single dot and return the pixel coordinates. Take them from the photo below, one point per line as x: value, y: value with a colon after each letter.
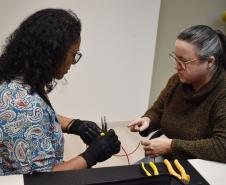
x: 154, y: 121
x: 175, y: 145
x: 178, y: 145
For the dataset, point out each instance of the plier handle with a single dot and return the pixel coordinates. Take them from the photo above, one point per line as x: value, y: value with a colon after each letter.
x: 152, y: 165
x: 183, y: 176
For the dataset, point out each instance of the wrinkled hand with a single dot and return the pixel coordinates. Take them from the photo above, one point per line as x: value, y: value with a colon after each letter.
x: 157, y: 146
x: 87, y: 130
x: 139, y: 125
x: 102, y: 148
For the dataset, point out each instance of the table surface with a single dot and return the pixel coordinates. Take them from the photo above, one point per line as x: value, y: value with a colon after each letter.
x: 213, y: 172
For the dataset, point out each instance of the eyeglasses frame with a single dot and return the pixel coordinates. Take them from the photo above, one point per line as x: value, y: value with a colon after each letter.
x: 183, y: 63
x: 78, y: 56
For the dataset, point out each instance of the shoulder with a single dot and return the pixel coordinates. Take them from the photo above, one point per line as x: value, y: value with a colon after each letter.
x: 222, y: 85
x: 14, y: 88
x: 219, y: 93
x: 16, y: 96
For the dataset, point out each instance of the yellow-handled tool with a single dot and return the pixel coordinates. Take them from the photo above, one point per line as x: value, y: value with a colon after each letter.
x: 184, y: 175
x: 152, y: 165
x: 170, y: 169
x: 144, y: 169
x: 155, y: 169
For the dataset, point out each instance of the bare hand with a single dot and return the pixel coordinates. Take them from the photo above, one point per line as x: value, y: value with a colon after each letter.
x: 139, y: 124
x: 157, y: 146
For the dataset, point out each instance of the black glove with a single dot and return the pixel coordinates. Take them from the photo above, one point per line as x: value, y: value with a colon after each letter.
x: 87, y: 130
x: 102, y: 148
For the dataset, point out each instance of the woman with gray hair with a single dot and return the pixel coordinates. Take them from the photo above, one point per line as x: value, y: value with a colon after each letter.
x: 191, y: 109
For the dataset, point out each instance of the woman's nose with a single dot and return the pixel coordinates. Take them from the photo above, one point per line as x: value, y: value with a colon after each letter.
x: 179, y: 66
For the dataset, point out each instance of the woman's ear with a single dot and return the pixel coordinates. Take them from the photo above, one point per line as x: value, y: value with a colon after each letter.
x: 211, y: 61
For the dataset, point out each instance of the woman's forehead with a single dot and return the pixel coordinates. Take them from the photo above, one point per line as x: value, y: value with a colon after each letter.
x: 185, y: 48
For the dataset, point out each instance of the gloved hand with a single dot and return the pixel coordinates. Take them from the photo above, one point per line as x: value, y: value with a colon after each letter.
x: 102, y: 148
x: 87, y: 130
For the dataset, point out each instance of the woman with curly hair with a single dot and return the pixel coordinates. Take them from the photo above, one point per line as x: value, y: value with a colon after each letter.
x: 39, y: 52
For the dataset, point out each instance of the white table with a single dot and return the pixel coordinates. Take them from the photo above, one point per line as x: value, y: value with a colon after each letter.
x: 213, y: 172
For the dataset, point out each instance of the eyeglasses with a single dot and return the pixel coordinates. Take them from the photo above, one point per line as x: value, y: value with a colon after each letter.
x: 177, y: 61
x: 78, y: 56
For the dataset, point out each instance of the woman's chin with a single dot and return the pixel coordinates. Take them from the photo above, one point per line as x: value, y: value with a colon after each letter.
x: 182, y: 80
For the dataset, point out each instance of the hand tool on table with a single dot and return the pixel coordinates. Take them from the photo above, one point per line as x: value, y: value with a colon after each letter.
x: 183, y: 176
x: 152, y: 165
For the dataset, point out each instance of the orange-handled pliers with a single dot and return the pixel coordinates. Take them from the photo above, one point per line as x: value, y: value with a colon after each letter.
x: 182, y: 176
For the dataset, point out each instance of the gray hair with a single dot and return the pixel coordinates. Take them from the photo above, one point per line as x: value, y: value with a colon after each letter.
x: 209, y: 42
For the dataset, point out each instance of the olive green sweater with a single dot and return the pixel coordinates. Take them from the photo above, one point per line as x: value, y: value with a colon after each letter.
x: 196, y: 123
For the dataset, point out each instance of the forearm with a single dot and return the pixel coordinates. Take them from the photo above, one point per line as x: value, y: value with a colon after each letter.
x: 208, y: 149
x: 64, y: 121
x: 155, y: 113
x: 73, y: 164
x: 156, y: 110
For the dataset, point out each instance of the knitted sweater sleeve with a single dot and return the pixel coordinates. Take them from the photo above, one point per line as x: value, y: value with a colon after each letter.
x: 155, y: 112
x: 211, y: 148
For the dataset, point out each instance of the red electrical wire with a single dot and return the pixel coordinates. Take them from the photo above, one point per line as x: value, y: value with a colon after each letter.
x: 123, y: 155
x: 126, y: 155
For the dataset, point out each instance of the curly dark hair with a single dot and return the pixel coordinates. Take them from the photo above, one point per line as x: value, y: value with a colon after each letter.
x: 37, y: 48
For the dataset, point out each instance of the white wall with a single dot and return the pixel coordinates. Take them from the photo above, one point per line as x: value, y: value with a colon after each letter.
x: 118, y: 43
x: 175, y: 16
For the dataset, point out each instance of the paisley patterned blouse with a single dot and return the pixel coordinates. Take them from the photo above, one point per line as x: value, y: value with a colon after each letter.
x: 31, y: 139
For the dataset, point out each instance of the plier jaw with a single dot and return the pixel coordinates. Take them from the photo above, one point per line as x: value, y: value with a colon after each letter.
x: 104, y: 127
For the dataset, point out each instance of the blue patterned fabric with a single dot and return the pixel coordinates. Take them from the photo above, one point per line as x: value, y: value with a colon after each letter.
x: 31, y: 138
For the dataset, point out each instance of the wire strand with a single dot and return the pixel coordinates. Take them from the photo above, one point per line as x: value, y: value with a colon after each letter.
x: 127, y: 154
